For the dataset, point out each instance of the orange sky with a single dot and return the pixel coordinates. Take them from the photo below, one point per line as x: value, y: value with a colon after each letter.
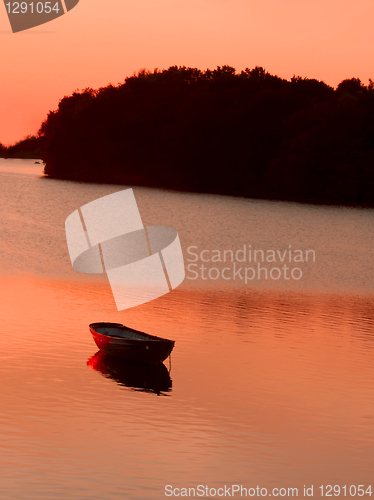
x: 102, y: 41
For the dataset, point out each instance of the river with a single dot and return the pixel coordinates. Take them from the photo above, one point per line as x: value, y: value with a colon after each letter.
x: 271, y: 378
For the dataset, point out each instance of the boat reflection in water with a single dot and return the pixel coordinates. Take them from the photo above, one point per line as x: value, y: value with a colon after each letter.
x: 139, y: 377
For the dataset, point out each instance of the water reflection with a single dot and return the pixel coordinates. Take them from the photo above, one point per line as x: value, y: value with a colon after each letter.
x: 139, y: 377
x: 273, y: 382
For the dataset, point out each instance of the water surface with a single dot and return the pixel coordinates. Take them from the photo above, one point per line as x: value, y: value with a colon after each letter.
x: 271, y: 381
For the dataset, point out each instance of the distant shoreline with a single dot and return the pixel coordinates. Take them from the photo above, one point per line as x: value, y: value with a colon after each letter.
x: 249, y: 134
x: 253, y: 196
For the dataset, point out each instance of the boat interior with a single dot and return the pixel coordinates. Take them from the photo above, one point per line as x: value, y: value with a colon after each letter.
x: 117, y: 331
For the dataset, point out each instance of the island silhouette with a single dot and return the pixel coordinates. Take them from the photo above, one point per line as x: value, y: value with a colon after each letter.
x: 249, y: 134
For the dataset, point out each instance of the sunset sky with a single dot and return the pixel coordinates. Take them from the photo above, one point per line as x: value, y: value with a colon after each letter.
x: 102, y: 41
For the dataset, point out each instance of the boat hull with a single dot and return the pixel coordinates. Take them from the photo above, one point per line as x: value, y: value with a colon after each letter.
x: 148, y: 349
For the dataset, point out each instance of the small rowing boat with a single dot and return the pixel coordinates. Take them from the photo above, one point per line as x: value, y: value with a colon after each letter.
x: 120, y: 341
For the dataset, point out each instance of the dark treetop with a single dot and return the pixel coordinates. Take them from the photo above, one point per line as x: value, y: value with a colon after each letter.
x: 248, y: 134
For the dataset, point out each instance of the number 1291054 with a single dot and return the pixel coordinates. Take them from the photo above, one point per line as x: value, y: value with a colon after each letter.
x: 351, y: 491
x: 32, y: 7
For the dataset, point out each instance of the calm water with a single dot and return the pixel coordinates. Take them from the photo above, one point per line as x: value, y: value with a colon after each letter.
x: 271, y: 381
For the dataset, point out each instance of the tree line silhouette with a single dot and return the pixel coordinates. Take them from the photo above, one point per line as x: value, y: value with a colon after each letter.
x: 248, y: 134
x: 29, y: 147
